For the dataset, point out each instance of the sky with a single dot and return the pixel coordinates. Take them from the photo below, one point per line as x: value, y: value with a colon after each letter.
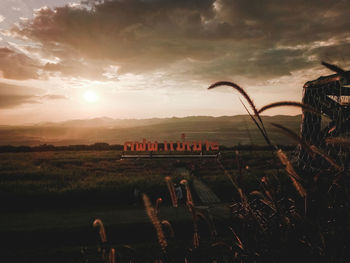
x: 62, y: 59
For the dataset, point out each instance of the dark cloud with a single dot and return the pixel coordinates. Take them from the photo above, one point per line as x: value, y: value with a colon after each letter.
x: 295, y: 22
x: 16, y: 65
x: 253, y: 64
x: 260, y: 39
x: 12, y: 96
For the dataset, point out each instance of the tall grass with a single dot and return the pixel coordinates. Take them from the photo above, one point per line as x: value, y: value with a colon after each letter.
x: 273, y: 225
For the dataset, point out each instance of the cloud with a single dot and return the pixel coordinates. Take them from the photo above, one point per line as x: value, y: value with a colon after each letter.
x: 138, y: 35
x: 210, y: 39
x: 78, y: 68
x: 12, y: 96
x: 53, y: 97
x: 12, y: 101
x: 14, y: 65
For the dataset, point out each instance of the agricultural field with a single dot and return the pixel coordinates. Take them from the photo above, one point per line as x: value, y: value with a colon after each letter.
x: 51, y: 199
x: 50, y: 179
x: 54, y: 196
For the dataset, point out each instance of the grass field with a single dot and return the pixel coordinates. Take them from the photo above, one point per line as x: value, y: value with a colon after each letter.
x: 50, y: 199
x: 51, y: 179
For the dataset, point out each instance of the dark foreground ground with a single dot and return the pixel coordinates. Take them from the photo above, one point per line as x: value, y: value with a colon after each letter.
x: 60, y: 235
x: 50, y: 199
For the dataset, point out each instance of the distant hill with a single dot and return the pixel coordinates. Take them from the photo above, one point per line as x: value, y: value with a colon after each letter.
x: 227, y: 130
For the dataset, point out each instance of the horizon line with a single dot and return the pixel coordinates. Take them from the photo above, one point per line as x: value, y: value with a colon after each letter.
x: 138, y: 119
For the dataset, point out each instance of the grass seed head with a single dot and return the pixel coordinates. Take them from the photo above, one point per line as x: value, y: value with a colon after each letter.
x: 155, y: 221
x: 171, y: 189
x: 295, y: 178
x: 98, y: 223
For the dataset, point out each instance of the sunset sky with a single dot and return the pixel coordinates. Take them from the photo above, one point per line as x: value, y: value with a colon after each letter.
x: 62, y: 59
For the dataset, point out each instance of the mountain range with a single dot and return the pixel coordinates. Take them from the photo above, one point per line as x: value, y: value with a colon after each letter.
x: 226, y: 130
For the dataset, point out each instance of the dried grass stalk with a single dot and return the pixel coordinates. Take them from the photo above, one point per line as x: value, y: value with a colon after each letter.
x: 169, y: 226
x: 239, y: 89
x: 158, y: 202
x: 112, y: 255
x: 155, y: 221
x: 295, y: 178
x: 326, y: 157
x: 193, y: 212
x: 188, y: 191
x: 295, y: 137
x: 195, y: 240
x: 339, y: 141
x: 239, y: 243
x: 244, y: 94
x: 311, y: 149
x: 261, y: 129
x: 98, y: 223
x: 232, y: 180
x: 305, y: 107
x: 171, y: 189
x: 257, y: 193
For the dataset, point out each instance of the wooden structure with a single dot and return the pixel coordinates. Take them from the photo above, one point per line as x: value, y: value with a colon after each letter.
x: 329, y: 95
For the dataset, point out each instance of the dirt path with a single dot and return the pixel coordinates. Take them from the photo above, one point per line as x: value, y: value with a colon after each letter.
x: 205, y: 194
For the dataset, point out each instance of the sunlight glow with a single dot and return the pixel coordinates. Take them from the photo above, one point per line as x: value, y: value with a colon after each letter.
x: 90, y: 96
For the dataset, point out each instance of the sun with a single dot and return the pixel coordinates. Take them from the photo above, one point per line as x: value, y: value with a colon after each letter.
x: 90, y: 96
